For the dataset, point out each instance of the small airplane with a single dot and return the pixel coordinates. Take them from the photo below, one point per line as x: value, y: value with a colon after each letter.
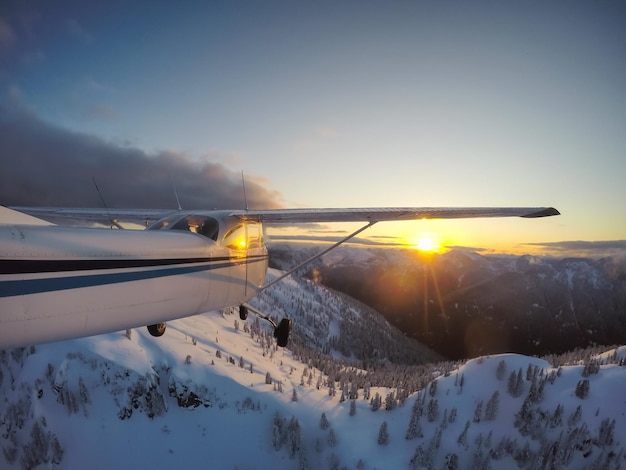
x: 60, y: 282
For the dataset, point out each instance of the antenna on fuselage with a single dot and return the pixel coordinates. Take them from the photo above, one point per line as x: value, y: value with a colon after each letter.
x: 113, y: 222
x: 175, y: 193
x: 245, y: 197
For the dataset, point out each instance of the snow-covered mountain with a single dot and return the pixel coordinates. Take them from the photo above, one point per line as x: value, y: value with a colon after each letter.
x: 330, y: 322
x: 215, y: 392
x: 463, y: 304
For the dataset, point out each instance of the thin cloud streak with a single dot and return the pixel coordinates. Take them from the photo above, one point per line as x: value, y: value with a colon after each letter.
x: 45, y: 165
x: 587, y: 249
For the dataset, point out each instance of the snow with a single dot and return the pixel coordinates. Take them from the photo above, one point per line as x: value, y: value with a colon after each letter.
x: 121, y: 407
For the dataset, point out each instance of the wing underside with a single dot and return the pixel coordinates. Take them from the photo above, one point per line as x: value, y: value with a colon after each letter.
x: 390, y: 213
x: 293, y: 216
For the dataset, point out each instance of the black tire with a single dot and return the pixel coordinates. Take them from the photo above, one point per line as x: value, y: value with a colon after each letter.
x: 281, y: 333
x: 158, y: 329
x: 243, y: 312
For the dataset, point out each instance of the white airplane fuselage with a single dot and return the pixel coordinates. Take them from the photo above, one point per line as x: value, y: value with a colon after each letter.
x: 64, y: 282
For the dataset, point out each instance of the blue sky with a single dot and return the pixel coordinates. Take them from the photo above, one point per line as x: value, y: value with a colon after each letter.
x: 332, y: 104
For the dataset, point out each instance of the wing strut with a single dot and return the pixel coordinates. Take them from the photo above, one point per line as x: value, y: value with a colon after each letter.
x: 283, y: 328
x: 313, y: 258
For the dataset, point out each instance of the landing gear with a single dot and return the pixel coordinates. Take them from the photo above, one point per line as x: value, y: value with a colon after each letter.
x: 281, y: 331
x: 157, y: 329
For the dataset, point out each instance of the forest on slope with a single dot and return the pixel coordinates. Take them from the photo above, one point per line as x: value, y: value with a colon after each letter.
x: 464, y: 305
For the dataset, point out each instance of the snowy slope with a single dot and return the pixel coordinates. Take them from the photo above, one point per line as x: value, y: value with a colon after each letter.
x: 117, y: 402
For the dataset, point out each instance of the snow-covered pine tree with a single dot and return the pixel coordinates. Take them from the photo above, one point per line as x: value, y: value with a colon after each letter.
x: 491, y: 412
x: 324, y: 424
x: 294, y: 437
x: 383, y: 434
x: 332, y: 438
x: 278, y: 434
x: 352, y: 407
x: 432, y: 410
x: 574, y: 418
x: 390, y: 401
x: 415, y: 429
x: 582, y: 389
x: 501, y: 370
x: 462, y: 439
x: 478, y: 411
x: 376, y: 402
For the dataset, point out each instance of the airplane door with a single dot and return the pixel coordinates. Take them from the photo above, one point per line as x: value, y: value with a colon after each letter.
x: 236, y: 241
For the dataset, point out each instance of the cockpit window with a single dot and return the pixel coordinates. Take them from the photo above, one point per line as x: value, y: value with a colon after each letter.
x: 202, y: 225
x: 244, y: 236
x: 236, y: 238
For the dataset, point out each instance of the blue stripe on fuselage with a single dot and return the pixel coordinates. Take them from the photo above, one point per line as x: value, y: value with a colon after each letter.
x: 36, y: 286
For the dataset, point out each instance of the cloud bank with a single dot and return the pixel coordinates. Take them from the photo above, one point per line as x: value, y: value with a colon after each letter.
x: 590, y: 249
x: 45, y: 165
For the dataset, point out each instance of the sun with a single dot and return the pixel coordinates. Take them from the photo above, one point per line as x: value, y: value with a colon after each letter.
x: 426, y: 243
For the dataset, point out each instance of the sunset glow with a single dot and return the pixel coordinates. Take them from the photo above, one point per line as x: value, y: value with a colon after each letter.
x: 426, y: 242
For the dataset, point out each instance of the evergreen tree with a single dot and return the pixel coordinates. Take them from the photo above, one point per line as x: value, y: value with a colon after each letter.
x: 319, y: 446
x: 277, y: 431
x: 478, y: 411
x: 451, y: 462
x: 419, y: 458
x: 556, y: 420
x: 491, y: 412
x: 376, y: 402
x: 415, y: 429
x: 462, y: 439
x: 606, y: 432
x: 582, y: 389
x: 452, y: 418
x: 390, y: 402
x: 383, y: 434
x: 575, y: 417
x: 332, y: 438
x: 432, y: 390
x: 501, y: 370
x: 433, y: 410
x: 294, y: 437
x: 333, y: 462
x: 324, y: 424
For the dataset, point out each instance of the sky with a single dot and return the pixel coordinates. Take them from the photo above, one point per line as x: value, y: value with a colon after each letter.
x: 324, y: 104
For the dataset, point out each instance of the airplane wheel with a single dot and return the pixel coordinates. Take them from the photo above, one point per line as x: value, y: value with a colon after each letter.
x: 281, y: 332
x: 157, y: 329
x: 243, y: 312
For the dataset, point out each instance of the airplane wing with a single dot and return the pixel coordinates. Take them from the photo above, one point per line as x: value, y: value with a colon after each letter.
x: 295, y: 216
x: 389, y: 213
x: 56, y: 214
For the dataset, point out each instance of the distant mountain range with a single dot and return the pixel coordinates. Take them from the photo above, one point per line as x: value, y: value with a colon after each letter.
x: 462, y: 304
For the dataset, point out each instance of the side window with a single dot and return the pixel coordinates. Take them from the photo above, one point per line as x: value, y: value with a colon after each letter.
x: 206, y: 226
x: 235, y: 238
x: 164, y: 224
x: 209, y: 228
x: 255, y: 237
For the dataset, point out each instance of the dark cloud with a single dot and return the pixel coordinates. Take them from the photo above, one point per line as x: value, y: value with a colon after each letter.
x: 45, y: 165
